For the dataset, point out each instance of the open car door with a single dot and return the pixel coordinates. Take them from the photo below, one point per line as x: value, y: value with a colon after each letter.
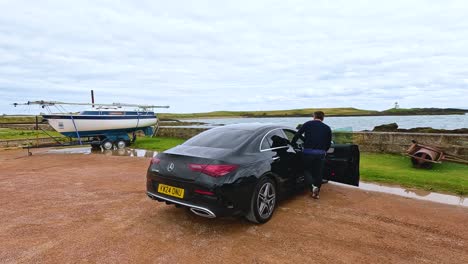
x: 342, y: 164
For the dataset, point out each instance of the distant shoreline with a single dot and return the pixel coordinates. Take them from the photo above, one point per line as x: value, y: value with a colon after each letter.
x: 307, y: 112
x: 163, y: 116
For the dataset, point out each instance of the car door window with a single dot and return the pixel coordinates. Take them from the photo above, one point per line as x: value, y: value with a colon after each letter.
x: 274, y: 139
x: 265, y: 145
x: 290, y: 134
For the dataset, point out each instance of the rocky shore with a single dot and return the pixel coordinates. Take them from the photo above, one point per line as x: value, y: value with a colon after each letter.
x: 393, y: 127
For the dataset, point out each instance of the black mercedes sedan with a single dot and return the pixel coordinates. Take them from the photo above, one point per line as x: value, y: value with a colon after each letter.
x: 242, y: 169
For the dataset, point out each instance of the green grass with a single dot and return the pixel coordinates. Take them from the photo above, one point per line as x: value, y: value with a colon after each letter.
x: 157, y: 143
x: 397, y: 169
x: 7, y: 133
x: 382, y: 168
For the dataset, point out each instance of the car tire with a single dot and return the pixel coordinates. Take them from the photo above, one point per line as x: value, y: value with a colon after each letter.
x: 263, y: 203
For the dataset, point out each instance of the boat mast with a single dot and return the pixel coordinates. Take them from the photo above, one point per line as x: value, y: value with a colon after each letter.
x: 52, y: 103
x: 92, y: 97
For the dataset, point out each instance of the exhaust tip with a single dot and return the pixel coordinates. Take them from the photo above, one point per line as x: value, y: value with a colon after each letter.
x: 202, y: 212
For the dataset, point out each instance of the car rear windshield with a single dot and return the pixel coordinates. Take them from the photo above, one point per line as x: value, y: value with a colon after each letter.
x: 219, y: 138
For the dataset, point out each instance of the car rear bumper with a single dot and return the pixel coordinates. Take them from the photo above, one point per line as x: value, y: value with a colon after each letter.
x: 225, y: 200
x: 196, y: 209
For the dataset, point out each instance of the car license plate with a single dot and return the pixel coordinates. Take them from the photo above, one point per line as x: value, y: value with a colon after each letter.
x: 170, y: 190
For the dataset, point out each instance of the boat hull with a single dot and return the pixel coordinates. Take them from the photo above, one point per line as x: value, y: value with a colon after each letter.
x: 69, y: 125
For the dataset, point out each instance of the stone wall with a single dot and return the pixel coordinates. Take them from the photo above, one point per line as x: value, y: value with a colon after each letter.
x: 179, y: 132
x: 397, y: 142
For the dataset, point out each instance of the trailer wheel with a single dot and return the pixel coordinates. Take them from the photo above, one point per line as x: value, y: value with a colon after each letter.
x: 107, y: 145
x: 95, y: 143
x: 121, y: 144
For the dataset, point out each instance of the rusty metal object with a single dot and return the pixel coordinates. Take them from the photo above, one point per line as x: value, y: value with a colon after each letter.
x: 454, y: 158
x: 423, y: 156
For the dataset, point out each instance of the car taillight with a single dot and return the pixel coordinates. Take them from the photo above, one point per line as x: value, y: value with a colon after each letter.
x: 197, y: 167
x: 218, y: 170
x: 213, y: 170
x: 155, y: 160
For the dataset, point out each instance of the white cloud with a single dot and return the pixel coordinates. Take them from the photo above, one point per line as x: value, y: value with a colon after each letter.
x: 236, y: 55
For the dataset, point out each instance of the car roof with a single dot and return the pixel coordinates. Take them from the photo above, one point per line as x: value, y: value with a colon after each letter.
x: 252, y: 126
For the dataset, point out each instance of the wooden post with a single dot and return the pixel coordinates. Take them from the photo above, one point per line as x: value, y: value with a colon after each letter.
x: 37, y: 134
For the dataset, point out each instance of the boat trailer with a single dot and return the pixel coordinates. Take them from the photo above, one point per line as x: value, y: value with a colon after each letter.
x: 106, y: 141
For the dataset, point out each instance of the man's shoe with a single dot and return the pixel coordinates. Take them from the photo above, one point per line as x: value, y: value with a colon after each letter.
x: 315, y: 192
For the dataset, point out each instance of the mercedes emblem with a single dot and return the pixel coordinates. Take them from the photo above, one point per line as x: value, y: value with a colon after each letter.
x: 170, y: 167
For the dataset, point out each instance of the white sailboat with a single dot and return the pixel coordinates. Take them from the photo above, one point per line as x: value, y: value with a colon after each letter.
x: 108, y: 124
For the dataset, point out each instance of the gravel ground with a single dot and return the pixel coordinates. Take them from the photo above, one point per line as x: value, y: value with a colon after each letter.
x: 58, y: 208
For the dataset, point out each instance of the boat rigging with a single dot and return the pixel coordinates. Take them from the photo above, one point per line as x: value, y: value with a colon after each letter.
x: 104, y: 125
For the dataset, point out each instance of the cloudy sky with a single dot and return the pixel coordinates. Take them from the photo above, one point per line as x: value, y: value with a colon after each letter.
x: 236, y: 55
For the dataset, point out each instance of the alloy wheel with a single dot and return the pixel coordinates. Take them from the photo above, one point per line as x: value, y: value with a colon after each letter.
x: 266, y: 200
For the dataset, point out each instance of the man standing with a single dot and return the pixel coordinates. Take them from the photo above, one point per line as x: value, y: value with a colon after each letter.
x: 316, y: 143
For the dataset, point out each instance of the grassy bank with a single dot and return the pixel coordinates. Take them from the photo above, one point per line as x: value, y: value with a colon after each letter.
x: 18, y: 119
x: 424, y: 111
x: 7, y: 133
x: 397, y: 169
x: 276, y: 113
x: 158, y: 143
x: 347, y: 111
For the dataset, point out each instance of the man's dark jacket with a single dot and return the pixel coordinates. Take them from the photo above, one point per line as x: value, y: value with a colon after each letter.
x: 318, y: 136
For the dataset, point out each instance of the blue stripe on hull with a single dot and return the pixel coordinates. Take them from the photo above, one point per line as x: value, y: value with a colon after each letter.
x: 107, y: 133
x: 96, y: 117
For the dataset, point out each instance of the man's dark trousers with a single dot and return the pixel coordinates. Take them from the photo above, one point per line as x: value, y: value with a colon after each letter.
x: 313, y: 169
